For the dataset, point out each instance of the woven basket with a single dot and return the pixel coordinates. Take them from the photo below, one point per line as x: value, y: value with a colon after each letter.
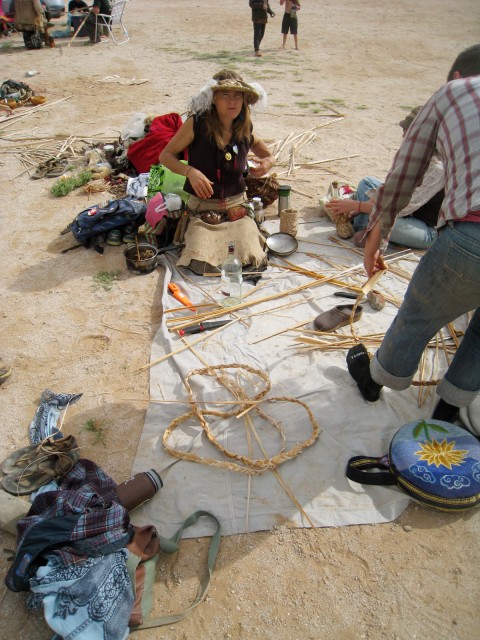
x: 345, y: 228
x: 265, y: 188
x: 289, y: 221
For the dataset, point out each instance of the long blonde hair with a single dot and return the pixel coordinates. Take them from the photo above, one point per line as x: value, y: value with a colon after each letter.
x: 242, y: 125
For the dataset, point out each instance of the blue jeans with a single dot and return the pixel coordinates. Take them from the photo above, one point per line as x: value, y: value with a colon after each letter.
x: 407, y: 231
x: 413, y: 233
x: 360, y: 222
x: 445, y: 285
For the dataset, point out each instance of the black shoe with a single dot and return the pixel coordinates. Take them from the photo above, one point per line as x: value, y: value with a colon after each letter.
x: 446, y: 412
x: 358, y: 363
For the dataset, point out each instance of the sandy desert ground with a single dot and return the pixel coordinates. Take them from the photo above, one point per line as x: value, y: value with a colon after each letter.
x: 371, y: 61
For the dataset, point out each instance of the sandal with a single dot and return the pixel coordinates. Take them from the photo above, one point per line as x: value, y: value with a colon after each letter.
x: 40, y: 171
x: 22, y: 482
x: 337, y: 317
x: 56, y: 168
x: 51, y: 455
x: 114, y: 237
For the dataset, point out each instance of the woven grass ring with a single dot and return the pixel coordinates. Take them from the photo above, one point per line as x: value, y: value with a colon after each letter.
x: 244, y: 464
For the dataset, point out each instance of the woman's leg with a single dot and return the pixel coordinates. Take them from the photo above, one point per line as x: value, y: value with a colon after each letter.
x: 365, y: 190
x: 413, y: 233
x: 365, y: 187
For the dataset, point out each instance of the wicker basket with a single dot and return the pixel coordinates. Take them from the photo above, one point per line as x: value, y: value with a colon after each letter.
x: 289, y: 221
x: 265, y: 188
x: 345, y: 228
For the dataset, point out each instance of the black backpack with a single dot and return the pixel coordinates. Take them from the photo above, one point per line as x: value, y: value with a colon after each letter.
x: 99, y: 220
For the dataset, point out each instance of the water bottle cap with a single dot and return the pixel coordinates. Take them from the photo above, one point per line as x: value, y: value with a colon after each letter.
x: 284, y: 190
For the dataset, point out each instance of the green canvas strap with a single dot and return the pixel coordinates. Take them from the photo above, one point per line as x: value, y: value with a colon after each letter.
x: 170, y: 545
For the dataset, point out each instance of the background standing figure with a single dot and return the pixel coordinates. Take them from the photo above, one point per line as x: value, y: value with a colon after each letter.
x: 290, y: 21
x: 30, y: 20
x: 260, y: 9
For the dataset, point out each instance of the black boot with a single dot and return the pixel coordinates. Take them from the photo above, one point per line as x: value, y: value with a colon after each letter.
x: 446, y: 412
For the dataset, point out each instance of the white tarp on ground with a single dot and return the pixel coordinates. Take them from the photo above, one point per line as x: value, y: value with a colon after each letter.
x: 315, y: 479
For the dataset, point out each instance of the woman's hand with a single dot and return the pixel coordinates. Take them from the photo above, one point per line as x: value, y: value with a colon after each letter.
x: 200, y: 183
x: 261, y: 166
x: 343, y: 205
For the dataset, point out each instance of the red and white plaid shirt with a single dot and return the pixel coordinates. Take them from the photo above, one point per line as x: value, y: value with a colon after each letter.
x: 450, y: 123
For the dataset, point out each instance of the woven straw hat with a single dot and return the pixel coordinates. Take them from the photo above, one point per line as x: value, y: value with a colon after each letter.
x: 227, y: 80
x: 407, y: 121
x: 237, y: 85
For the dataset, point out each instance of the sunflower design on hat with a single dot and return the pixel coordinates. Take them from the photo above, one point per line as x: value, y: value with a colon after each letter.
x: 441, y: 453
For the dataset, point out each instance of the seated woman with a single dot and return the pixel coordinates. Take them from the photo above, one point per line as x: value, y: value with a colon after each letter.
x: 415, y: 224
x: 218, y: 136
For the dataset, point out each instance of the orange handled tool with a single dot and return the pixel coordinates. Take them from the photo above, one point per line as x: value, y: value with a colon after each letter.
x: 180, y: 296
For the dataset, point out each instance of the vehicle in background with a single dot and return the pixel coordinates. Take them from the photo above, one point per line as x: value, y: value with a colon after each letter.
x: 53, y: 8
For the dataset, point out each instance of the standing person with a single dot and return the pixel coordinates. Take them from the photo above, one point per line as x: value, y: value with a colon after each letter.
x: 260, y: 9
x: 446, y: 283
x: 30, y: 20
x: 218, y: 135
x: 94, y: 25
x: 290, y: 21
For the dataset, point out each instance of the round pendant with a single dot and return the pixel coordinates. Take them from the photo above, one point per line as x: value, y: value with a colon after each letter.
x: 228, y: 156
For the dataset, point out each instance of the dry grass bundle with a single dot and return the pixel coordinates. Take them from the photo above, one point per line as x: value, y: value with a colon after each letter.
x: 95, y: 186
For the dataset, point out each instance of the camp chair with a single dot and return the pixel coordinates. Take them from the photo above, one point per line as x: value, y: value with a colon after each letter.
x: 115, y: 19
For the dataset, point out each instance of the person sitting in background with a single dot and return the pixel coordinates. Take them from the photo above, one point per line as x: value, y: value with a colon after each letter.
x: 77, y: 6
x: 96, y: 26
x: 415, y: 224
x: 218, y: 135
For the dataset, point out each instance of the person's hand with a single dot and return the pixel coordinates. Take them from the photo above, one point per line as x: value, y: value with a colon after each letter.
x: 200, y: 183
x: 342, y: 205
x: 373, y: 260
x: 261, y: 166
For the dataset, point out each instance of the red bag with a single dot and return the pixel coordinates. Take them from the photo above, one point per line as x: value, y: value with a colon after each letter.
x: 145, y: 152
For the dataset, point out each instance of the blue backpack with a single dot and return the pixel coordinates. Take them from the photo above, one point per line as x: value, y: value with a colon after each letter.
x: 98, y: 220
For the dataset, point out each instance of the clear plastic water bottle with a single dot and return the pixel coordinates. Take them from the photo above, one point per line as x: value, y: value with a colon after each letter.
x: 231, y: 284
x: 258, y: 210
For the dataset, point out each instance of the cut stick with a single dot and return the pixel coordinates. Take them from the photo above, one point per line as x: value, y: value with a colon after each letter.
x: 315, y: 162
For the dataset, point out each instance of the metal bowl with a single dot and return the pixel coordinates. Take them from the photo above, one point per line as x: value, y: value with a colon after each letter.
x: 281, y: 244
x: 141, y: 258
